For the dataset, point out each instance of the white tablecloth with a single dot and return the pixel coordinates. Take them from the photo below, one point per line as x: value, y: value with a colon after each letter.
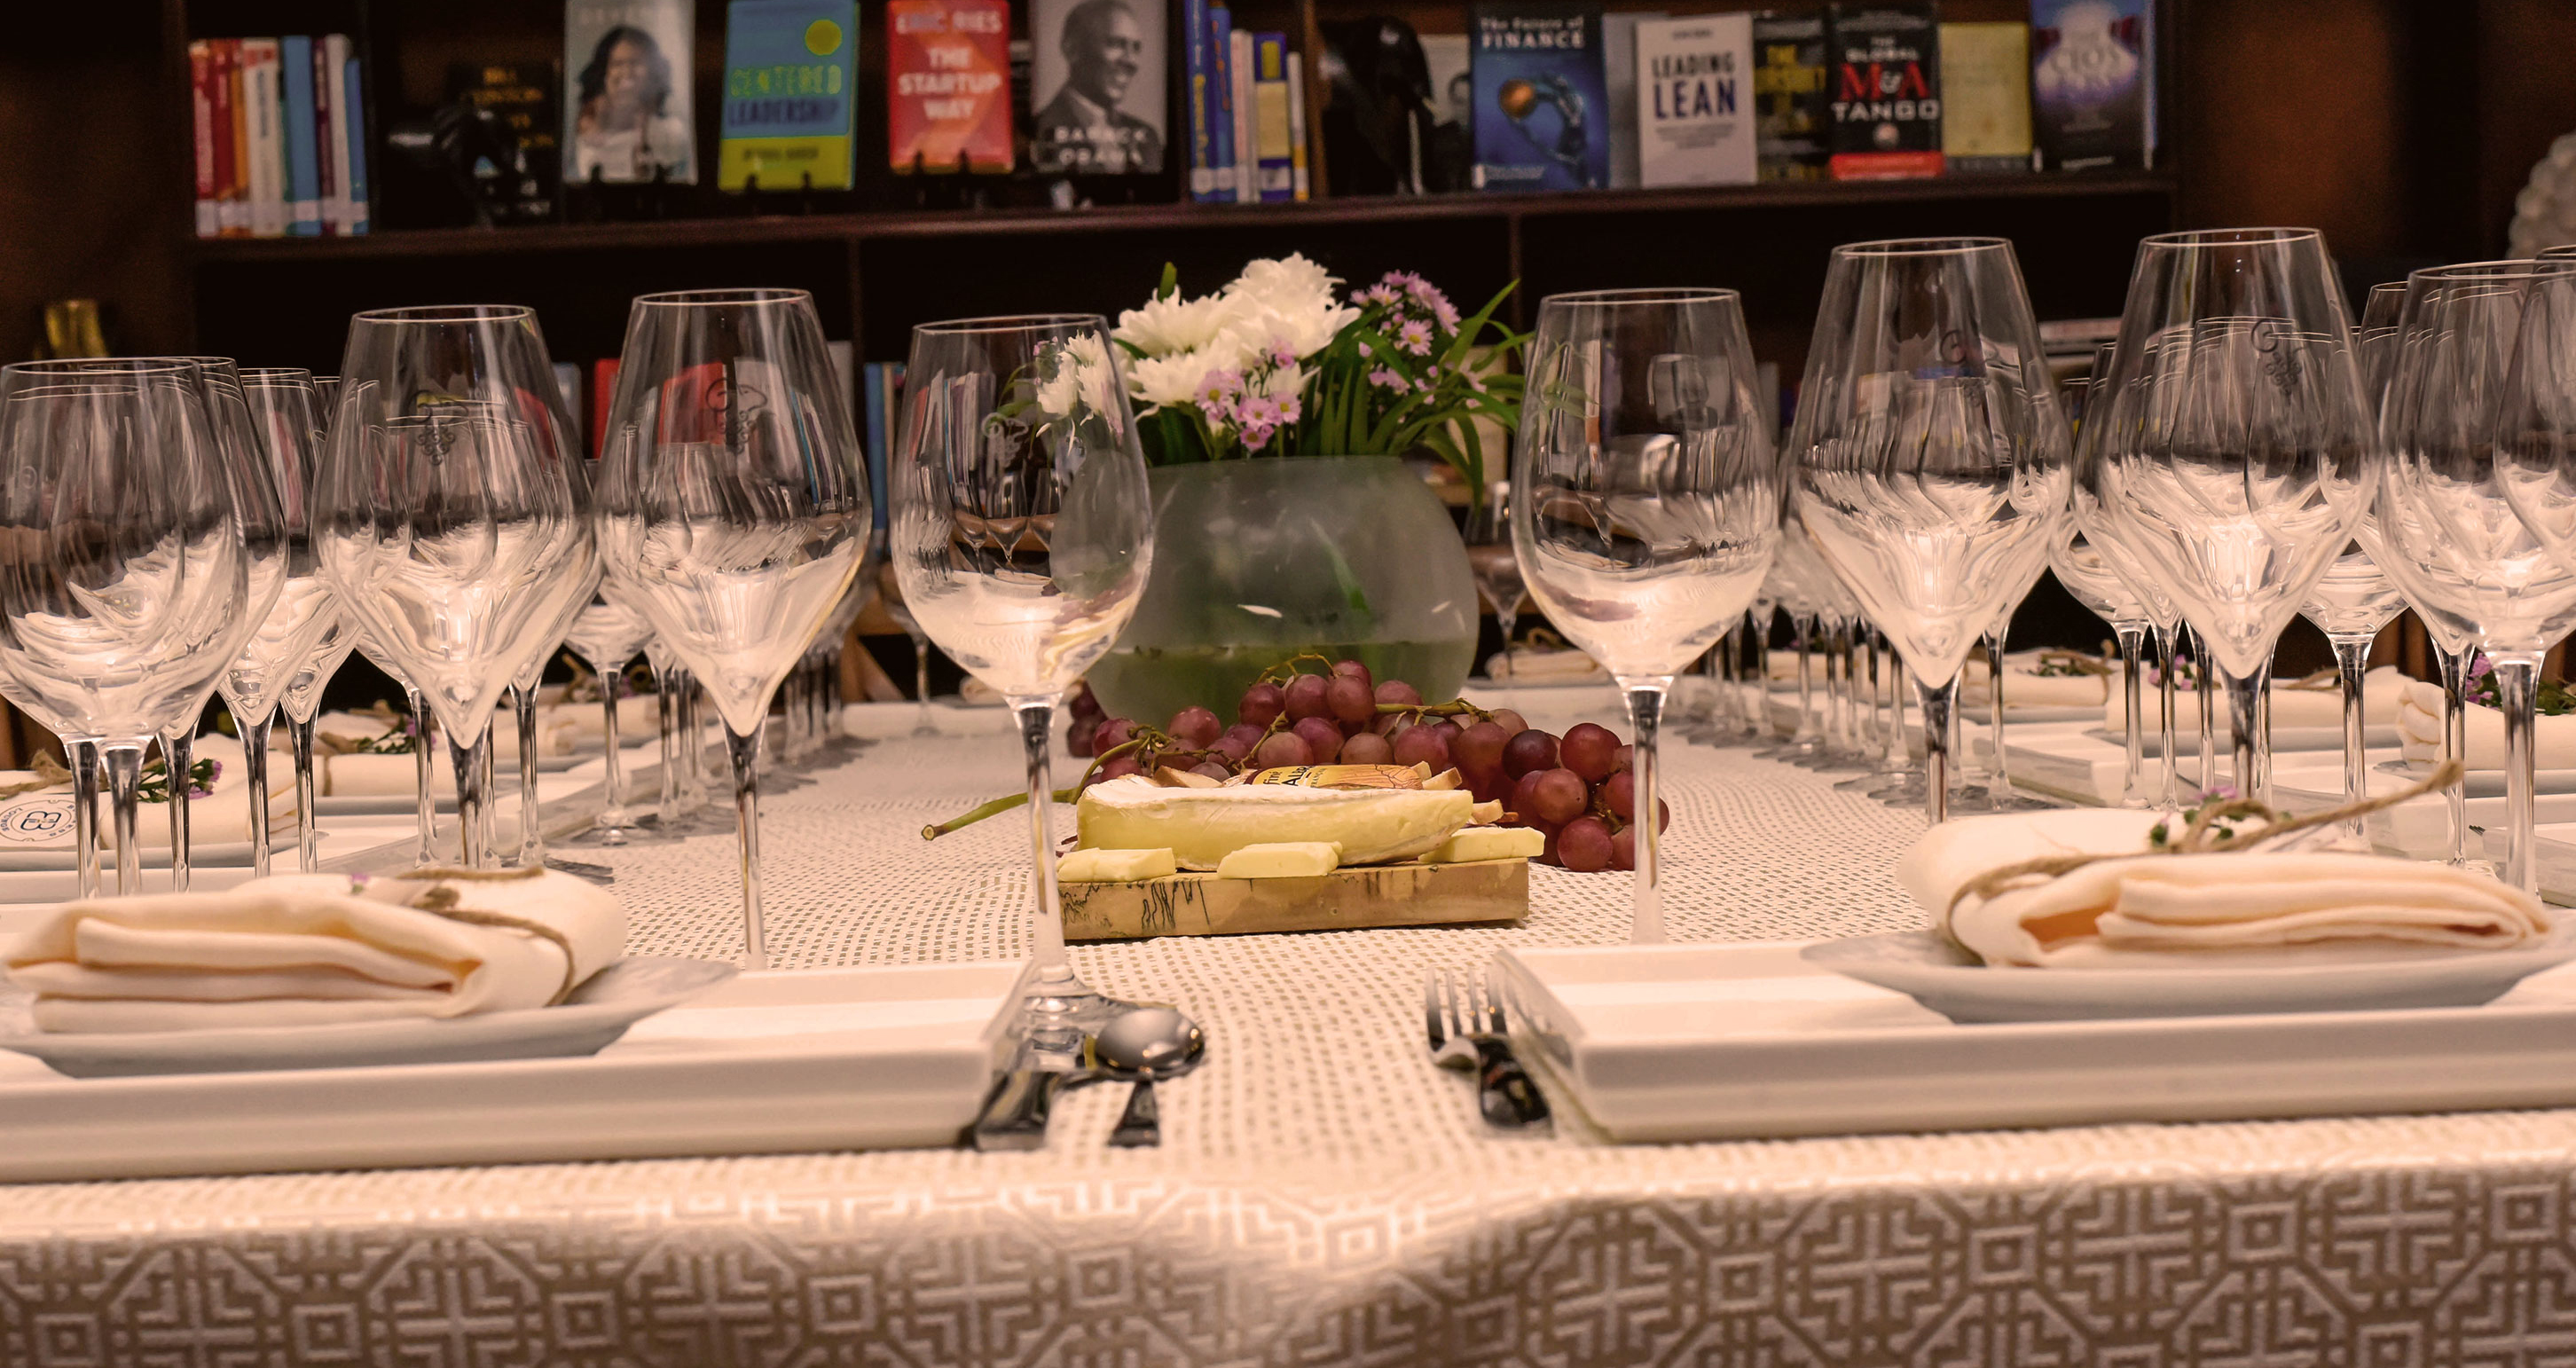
x: 1323, y: 1194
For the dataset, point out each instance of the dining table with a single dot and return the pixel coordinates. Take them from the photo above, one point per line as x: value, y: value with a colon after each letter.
x: 1323, y: 1192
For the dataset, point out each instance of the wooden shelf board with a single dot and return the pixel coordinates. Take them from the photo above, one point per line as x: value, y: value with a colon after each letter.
x: 717, y: 232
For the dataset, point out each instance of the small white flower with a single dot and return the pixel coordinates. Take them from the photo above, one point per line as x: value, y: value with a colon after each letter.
x: 1165, y: 327
x: 1159, y: 380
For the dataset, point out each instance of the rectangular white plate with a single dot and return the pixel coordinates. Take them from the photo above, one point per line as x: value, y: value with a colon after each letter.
x: 1724, y: 1041
x: 822, y: 1059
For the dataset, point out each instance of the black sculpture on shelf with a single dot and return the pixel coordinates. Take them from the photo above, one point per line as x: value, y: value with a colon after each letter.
x: 475, y: 155
x: 1379, y: 130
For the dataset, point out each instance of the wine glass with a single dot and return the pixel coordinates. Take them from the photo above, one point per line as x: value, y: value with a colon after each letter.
x: 1930, y: 454
x: 2089, y: 576
x: 287, y: 424
x: 609, y: 635
x: 451, y: 517
x: 301, y: 700
x: 247, y: 466
x: 732, y: 510
x: 2467, y: 416
x: 1022, y: 534
x: 126, y: 573
x: 2230, y: 452
x: 2350, y: 603
x: 1489, y: 558
x: 1646, y: 506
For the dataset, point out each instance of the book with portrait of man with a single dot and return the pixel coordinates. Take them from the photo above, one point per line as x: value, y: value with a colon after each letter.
x: 1096, y: 88
x: 627, y: 114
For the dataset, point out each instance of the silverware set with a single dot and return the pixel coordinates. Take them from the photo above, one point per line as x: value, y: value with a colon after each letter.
x: 1468, y: 1030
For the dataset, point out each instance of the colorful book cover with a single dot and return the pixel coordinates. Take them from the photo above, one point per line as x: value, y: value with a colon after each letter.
x: 263, y: 99
x: 235, y: 212
x: 520, y: 96
x: 1247, y: 118
x: 1695, y: 121
x: 883, y: 386
x: 2093, y: 80
x: 1985, y: 97
x: 1221, y: 101
x: 201, y: 117
x: 1198, y: 101
x: 1542, y: 101
x: 1299, y: 178
x: 303, y: 142
x: 1619, y: 80
x: 627, y: 105
x: 948, y: 85
x: 1096, y: 87
x: 1276, y: 142
x: 1886, y: 89
x: 326, y: 165
x: 790, y: 95
x: 356, y: 104
x: 1792, y: 116
x: 603, y: 392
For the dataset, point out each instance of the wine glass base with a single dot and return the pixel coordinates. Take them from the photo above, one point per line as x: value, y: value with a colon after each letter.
x: 1057, y: 1016
x: 1878, y: 779
x: 617, y: 837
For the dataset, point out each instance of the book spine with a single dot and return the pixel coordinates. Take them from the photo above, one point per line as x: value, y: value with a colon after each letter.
x: 1299, y: 176
x: 326, y: 167
x: 1276, y: 149
x: 303, y: 173
x: 1247, y: 118
x: 1194, y: 34
x: 267, y: 148
x: 201, y: 116
x: 234, y: 163
x: 353, y: 100
x: 1221, y: 103
x: 332, y: 74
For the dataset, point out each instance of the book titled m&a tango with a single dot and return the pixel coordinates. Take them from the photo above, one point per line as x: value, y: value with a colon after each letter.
x: 1885, y: 84
x: 790, y: 84
x: 948, y: 85
x: 1542, y: 100
x: 2093, y: 83
x: 1695, y: 121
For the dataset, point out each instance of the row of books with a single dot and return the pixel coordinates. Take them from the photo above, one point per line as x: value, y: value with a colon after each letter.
x: 1853, y: 91
x: 1247, y: 110
x: 280, y: 136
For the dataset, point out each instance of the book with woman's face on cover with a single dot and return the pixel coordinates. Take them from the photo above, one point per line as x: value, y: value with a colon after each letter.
x: 626, y: 91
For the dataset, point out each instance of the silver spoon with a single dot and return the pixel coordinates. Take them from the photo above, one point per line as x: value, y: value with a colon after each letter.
x: 1143, y: 1045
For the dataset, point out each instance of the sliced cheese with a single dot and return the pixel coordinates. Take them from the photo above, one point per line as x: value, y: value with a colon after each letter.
x: 1490, y: 843
x: 1281, y: 860
x: 1115, y: 866
x: 1203, y: 826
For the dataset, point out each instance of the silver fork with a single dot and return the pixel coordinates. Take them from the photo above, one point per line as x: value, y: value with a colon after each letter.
x: 1468, y: 1034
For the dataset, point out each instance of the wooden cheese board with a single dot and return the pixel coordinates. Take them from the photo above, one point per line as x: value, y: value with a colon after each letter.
x: 1366, y: 896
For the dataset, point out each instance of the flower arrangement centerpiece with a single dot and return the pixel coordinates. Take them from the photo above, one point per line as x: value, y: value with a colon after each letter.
x: 1275, y: 412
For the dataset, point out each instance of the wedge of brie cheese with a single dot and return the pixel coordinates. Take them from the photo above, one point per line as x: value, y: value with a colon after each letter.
x: 1202, y: 826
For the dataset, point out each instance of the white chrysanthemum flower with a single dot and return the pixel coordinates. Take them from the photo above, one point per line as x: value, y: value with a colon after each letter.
x: 1157, y: 380
x: 1285, y: 381
x: 1078, y: 376
x: 1167, y: 327
x: 1291, y: 301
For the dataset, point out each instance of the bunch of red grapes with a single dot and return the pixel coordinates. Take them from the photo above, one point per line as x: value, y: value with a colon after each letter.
x: 1576, y: 788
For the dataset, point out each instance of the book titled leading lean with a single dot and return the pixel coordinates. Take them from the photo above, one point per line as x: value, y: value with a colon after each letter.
x: 1542, y: 114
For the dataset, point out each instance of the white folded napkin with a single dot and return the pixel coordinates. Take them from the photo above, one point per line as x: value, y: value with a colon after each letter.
x: 2199, y: 911
x: 317, y: 949
x: 41, y: 819
x: 2025, y: 688
x: 1534, y: 666
x: 2383, y: 692
x: 2419, y: 732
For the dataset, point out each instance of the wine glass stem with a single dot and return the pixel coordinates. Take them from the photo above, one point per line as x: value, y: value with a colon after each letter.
x: 2205, y: 682
x: 1646, y: 905
x: 473, y: 797
x: 2352, y: 659
x: 422, y: 770
x: 669, y: 709
x: 2169, y: 732
x: 1899, y: 754
x: 612, y: 812
x: 2133, y: 703
x: 744, y: 751
x: 1047, y: 940
x: 1939, y: 702
x: 1506, y: 617
x: 2455, y: 744
x: 2517, y: 677
x: 307, y: 836
x: 179, y: 756
x: 1803, y: 642
x: 2002, y: 769
x: 532, y: 835
x: 84, y: 758
x: 124, y: 763
x: 2245, y: 719
x: 921, y: 678
x: 254, y: 741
